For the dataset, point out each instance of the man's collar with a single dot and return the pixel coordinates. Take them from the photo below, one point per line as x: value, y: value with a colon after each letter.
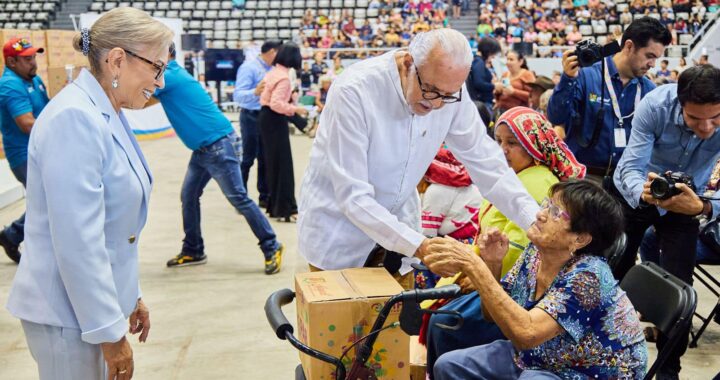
x: 8, y: 71
x: 263, y: 63
x: 615, y: 74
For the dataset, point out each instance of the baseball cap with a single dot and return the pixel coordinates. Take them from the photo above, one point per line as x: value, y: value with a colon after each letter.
x: 20, y: 47
x: 543, y: 83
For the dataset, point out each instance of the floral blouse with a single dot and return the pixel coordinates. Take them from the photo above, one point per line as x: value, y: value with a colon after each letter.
x: 602, y: 339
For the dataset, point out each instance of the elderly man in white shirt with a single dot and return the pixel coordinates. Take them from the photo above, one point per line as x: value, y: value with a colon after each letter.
x: 383, y: 122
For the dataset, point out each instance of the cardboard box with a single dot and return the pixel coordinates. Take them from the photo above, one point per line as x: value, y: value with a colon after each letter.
x: 59, y: 77
x: 335, y: 308
x: 418, y: 359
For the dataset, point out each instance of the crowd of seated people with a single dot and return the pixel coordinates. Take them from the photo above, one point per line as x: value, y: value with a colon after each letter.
x: 396, y: 24
x: 549, y: 23
x: 546, y: 24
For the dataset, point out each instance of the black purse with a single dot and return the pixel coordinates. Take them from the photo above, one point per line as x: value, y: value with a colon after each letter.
x: 298, y: 121
x: 710, y: 235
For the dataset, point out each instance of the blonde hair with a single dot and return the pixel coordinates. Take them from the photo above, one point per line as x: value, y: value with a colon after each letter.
x: 125, y: 28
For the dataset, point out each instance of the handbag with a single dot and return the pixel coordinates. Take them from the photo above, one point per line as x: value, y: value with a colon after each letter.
x: 710, y: 235
x: 298, y: 121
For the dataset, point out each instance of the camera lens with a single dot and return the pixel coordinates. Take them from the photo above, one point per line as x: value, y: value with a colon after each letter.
x: 660, y: 188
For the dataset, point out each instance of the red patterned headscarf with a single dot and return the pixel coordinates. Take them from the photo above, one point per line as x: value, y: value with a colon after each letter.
x: 446, y: 170
x: 536, y: 135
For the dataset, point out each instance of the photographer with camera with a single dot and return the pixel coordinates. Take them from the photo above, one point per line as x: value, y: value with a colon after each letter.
x: 597, y: 95
x: 670, y: 154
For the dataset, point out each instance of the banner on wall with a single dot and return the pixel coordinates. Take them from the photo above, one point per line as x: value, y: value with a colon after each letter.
x: 152, y: 122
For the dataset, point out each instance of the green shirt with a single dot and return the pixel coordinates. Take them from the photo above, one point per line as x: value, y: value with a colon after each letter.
x: 537, y: 180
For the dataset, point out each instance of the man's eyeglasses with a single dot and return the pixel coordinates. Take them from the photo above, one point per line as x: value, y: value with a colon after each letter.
x: 432, y: 95
x: 159, y: 67
x: 554, y: 211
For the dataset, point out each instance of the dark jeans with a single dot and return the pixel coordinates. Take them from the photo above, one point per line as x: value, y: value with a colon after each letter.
x: 252, y: 149
x: 649, y: 250
x: 15, y: 232
x: 221, y: 162
x: 677, y: 240
x: 475, y: 330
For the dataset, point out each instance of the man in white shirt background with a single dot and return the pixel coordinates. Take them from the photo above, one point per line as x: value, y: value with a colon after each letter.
x: 384, y: 120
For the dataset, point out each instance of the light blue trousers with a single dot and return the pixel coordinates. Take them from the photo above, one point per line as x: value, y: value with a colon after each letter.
x: 493, y: 361
x: 60, y: 354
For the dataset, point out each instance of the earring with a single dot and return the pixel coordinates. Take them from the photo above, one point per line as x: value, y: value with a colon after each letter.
x: 115, y: 83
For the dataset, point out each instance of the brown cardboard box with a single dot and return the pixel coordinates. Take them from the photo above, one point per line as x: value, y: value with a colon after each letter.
x: 58, y: 78
x: 335, y: 308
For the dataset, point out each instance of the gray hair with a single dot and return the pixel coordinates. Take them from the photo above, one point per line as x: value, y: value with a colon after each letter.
x: 450, y: 41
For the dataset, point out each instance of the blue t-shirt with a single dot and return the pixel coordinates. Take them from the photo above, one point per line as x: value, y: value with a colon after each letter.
x: 197, y: 120
x: 602, y: 338
x: 17, y: 97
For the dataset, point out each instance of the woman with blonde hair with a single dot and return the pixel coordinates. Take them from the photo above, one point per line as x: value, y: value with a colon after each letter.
x: 87, y: 201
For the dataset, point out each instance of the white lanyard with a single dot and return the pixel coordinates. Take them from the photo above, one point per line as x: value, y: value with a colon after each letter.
x: 614, y: 101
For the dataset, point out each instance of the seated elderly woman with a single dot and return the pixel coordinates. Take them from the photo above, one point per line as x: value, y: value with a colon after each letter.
x: 540, y: 159
x: 560, y: 308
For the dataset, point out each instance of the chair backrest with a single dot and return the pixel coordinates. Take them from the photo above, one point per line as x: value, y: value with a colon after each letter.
x: 663, y: 300
x: 615, y: 251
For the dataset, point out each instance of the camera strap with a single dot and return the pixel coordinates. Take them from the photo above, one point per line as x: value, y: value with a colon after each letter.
x: 614, y: 99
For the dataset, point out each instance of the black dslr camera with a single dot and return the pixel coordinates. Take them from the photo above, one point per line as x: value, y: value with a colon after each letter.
x: 663, y: 187
x: 589, y: 52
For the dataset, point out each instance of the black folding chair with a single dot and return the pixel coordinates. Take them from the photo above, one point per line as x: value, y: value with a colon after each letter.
x: 710, y: 282
x: 615, y: 251
x: 662, y: 299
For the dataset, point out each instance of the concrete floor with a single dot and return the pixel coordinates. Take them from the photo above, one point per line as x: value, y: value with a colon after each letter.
x: 208, y: 321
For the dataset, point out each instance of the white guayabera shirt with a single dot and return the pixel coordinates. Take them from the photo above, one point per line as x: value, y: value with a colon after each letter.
x: 369, y: 155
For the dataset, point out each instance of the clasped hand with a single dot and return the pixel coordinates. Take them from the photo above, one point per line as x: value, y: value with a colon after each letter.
x: 446, y: 256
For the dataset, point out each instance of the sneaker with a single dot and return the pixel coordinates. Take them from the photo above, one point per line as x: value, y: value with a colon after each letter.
x: 272, y: 265
x: 183, y: 260
x: 12, y: 250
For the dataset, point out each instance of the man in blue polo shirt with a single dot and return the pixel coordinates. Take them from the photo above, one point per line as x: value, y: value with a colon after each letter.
x: 22, y: 98
x: 248, y: 87
x: 216, y: 155
x: 577, y: 99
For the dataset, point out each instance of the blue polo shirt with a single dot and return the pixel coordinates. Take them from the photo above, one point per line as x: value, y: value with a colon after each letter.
x: 580, y: 97
x: 197, y: 120
x: 17, y: 97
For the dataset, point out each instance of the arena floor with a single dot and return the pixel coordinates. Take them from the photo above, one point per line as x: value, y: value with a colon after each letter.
x: 208, y: 321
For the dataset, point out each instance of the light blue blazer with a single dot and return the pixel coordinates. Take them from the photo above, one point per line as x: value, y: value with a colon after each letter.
x: 87, y: 200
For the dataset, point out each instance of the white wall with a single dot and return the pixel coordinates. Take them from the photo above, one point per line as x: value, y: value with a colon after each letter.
x: 10, y: 189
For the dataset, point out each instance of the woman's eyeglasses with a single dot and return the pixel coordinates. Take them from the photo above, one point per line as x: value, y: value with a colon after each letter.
x: 554, y: 211
x: 159, y: 67
x: 432, y: 95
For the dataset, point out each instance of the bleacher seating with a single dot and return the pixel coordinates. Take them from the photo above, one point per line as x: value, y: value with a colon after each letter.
x: 27, y: 14
x: 226, y: 26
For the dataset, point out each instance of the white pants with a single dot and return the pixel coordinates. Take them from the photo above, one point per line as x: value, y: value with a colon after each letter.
x: 61, y: 355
